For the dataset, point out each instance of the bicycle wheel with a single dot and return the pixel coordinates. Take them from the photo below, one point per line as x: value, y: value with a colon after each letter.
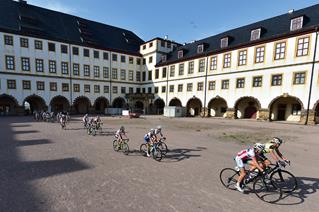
x: 267, y: 190
x: 157, y: 154
x: 115, y: 145
x: 285, y: 180
x: 89, y: 131
x: 93, y: 132
x: 143, y: 149
x: 163, y: 148
x: 125, y: 148
x: 228, y: 177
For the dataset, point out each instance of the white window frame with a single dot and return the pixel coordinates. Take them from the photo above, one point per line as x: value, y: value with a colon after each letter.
x: 255, y: 34
x: 224, y: 42
x: 296, y: 23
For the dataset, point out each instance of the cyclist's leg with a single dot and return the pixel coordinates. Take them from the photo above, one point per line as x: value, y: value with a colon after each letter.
x: 242, y: 173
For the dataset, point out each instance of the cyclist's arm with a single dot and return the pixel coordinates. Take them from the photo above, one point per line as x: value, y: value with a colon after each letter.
x: 280, y: 155
x: 274, y: 156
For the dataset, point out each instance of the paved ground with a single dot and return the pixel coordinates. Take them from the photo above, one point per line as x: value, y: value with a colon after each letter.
x: 44, y: 168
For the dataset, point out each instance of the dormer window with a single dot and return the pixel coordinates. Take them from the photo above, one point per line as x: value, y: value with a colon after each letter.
x: 180, y: 54
x: 200, y: 48
x: 224, y: 42
x: 296, y: 23
x: 163, y: 58
x: 255, y: 34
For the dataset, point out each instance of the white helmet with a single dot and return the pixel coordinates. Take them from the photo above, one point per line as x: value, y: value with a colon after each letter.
x: 122, y: 128
x: 276, y: 140
x: 260, y: 147
x: 159, y: 127
x: 152, y: 131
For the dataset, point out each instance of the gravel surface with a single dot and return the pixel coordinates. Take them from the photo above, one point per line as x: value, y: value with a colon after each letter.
x: 44, y: 168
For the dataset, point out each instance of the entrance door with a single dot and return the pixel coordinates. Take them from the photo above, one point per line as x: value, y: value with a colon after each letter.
x: 281, y: 112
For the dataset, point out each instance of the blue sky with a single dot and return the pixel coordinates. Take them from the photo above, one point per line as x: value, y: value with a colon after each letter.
x: 182, y: 21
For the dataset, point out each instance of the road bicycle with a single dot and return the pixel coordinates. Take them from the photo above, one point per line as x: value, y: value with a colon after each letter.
x: 162, y: 145
x: 121, y: 145
x: 154, y: 150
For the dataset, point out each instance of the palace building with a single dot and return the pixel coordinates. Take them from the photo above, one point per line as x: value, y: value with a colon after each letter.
x: 53, y: 61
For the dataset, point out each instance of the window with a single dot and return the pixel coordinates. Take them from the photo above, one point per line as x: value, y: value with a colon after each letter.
x: 87, y: 88
x: 213, y: 63
x: 96, y: 54
x: 114, y: 57
x: 130, y: 60
x: 181, y: 69
x: 123, y: 90
x: 296, y: 109
x: 143, y: 76
x: 257, y: 81
x: 164, y: 58
x: 276, y: 80
x: 211, y: 85
x: 8, y: 40
x: 40, y: 85
x: 280, y: 50
x: 164, y: 73
x: 11, y: 84
x: 75, y: 50
x: 65, y: 68
x: 171, y: 88
x: 172, y: 71
x: 96, y: 71
x: 96, y: 88
x: 10, y: 65
x: 260, y: 54
x: 114, y: 73
x: 189, y: 87
x: 76, y: 69
x: 26, y: 84
x: 302, y: 46
x: 123, y: 74
x: 53, y: 86
x: 65, y: 87
x: 155, y: 89
x: 76, y: 87
x: 86, y: 52
x: 105, y: 72
x: 38, y: 44
x: 299, y: 78
x: 242, y: 58
x: 25, y: 64
x: 150, y: 75
x: 131, y: 90
x: 227, y: 60
x: 151, y: 44
x: 180, y: 88
x: 39, y: 66
x: 144, y: 47
x: 225, y: 84
x: 64, y: 49
x: 51, y: 47
x: 24, y: 42
x: 180, y: 54
x: 169, y: 45
x: 138, y: 76
x: 156, y: 73
x: 138, y: 90
x: 144, y: 61
x: 149, y: 90
x: 163, y: 89
x: 201, y: 67
x: 224, y: 42
x: 143, y: 90
x: 130, y: 75
x: 123, y: 58
x: 162, y: 43
x: 150, y: 59
x: 86, y: 70
x: 114, y: 88
x: 52, y: 66
x: 240, y: 83
x: 200, y: 86
x: 200, y: 48
x: 296, y: 23
x: 255, y: 34
x: 106, y: 89
x: 105, y: 56
x: 138, y: 61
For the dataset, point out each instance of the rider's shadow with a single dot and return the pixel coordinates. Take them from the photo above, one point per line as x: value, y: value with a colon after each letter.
x: 179, y: 154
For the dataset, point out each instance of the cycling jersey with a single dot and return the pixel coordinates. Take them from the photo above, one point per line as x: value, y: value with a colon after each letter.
x: 269, y: 147
x: 246, y: 154
x: 158, y: 132
x: 120, y: 134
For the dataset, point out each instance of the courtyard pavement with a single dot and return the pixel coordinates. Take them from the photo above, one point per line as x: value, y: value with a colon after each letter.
x: 44, y: 168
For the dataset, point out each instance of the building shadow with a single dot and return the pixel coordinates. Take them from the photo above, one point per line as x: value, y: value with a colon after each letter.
x: 33, y: 142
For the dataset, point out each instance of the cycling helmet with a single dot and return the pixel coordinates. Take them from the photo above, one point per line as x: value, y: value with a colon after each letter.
x: 159, y: 127
x: 122, y: 128
x: 152, y: 131
x: 276, y: 140
x: 258, y: 146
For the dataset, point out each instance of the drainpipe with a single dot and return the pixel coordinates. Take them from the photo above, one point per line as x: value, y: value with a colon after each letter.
x: 205, y: 91
x: 70, y: 75
x: 110, y: 76
x: 312, y: 73
x: 167, y: 73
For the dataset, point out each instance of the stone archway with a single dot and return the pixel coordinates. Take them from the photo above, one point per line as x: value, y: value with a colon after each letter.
x: 82, y: 105
x: 194, y: 107
x: 8, y: 105
x: 59, y: 104
x: 119, y: 102
x: 100, y: 104
x: 175, y: 102
x: 247, y: 108
x: 316, y: 111
x: 285, y: 108
x: 159, y: 105
x: 217, y: 107
x: 34, y: 103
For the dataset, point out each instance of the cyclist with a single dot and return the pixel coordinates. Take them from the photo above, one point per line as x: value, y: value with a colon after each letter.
x: 63, y: 120
x: 85, y: 120
x: 120, y: 133
x: 272, y: 147
x: 158, y: 131
x: 248, y: 156
x: 149, y: 139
